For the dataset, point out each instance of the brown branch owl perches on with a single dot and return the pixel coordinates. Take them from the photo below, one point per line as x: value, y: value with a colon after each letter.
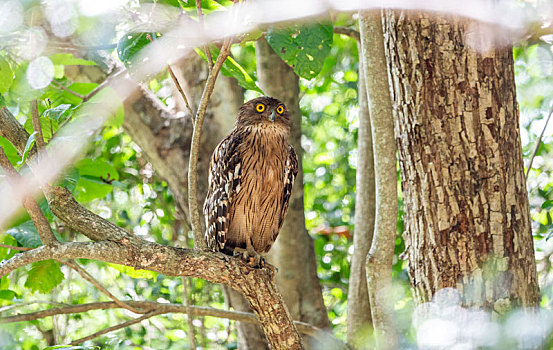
x: 251, y: 175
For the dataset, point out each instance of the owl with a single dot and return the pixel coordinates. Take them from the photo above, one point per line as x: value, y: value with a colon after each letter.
x: 251, y: 175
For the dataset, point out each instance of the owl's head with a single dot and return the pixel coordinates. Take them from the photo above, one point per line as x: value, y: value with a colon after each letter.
x: 264, y: 111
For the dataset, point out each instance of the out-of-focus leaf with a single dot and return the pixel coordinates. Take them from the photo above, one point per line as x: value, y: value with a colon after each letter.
x: 44, y: 276
x: 95, y: 177
x: 70, y: 179
x: 302, y: 47
x: 26, y: 234
x: 10, y: 151
x: 6, y: 75
x: 6, y: 253
x: 67, y: 59
x: 28, y: 146
x: 7, y: 294
x: 232, y: 69
x: 58, y: 113
x: 131, y: 44
x: 131, y: 272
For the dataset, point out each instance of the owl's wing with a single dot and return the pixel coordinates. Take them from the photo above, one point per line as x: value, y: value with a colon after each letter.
x: 224, y: 184
x: 290, y: 172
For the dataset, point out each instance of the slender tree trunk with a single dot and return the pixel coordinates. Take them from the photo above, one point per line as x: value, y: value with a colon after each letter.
x: 380, y: 257
x: 467, y: 219
x: 359, y: 322
x: 293, y: 252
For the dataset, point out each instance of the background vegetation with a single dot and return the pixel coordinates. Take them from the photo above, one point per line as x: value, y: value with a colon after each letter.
x: 115, y: 180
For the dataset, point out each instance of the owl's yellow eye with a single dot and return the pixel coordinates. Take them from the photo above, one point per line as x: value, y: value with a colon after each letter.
x: 280, y: 109
x: 260, y: 107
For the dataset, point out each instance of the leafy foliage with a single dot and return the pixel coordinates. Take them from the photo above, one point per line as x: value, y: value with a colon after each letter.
x: 232, y: 69
x: 26, y: 234
x: 44, y: 276
x: 302, y: 47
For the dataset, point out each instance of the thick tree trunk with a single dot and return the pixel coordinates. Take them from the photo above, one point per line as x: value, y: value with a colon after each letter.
x: 293, y: 252
x: 456, y: 118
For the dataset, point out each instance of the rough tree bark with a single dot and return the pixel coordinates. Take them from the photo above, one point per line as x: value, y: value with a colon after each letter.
x: 293, y: 252
x: 456, y: 119
x: 359, y: 322
x: 380, y: 257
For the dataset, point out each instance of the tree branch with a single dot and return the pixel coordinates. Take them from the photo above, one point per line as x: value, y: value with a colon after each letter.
x: 88, y: 277
x: 195, y: 146
x: 148, y: 306
x: 538, y: 143
x: 37, y: 127
x: 201, y: 21
x: 352, y: 33
x: 256, y: 284
x: 116, y: 327
x: 37, y: 216
x: 24, y: 249
x: 180, y: 90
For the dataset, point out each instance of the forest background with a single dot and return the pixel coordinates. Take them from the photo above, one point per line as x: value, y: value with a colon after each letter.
x: 55, y: 60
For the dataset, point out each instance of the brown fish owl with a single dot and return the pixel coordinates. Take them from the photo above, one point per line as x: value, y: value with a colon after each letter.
x: 251, y: 175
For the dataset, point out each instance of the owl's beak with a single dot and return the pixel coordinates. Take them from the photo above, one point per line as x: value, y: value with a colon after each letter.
x: 272, y: 116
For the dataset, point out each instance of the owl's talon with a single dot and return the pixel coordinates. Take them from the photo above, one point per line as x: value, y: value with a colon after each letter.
x: 251, y: 258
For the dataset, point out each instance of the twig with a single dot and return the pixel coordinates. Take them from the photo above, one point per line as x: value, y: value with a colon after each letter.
x: 37, y: 127
x: 149, y: 306
x: 185, y: 298
x: 352, y: 33
x: 116, y: 327
x: 181, y: 91
x: 195, y: 145
x: 13, y: 306
x: 537, y: 145
x: 186, y: 303
x: 90, y: 94
x: 63, y: 87
x: 14, y: 248
x: 201, y: 21
x: 99, y: 286
x: 37, y: 216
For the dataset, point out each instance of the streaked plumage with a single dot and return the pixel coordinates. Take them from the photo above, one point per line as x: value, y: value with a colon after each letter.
x: 251, y: 175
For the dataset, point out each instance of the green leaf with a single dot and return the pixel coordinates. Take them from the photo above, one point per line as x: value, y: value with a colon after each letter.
x: 80, y: 88
x: 28, y: 147
x: 58, y: 113
x: 49, y: 126
x: 10, y: 150
x: 131, y: 44
x: 94, y: 179
x: 67, y: 59
x: 302, y: 47
x: 7, y: 294
x: 6, y: 75
x: 131, y: 272
x: 6, y: 253
x: 233, y: 69
x: 26, y: 234
x: 70, y: 179
x: 208, y: 6
x: 44, y: 276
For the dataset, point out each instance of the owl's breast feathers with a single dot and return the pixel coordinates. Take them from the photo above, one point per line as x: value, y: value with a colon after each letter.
x: 252, y: 172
